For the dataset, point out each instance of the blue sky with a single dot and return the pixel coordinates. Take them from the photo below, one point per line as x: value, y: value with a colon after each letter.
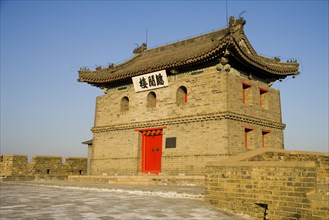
x: 45, y: 111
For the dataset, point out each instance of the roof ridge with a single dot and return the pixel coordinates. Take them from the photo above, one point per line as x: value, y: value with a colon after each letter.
x: 184, y: 40
x: 168, y: 45
x: 191, y: 51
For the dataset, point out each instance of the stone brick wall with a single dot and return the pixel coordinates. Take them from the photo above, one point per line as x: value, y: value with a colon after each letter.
x: 294, y: 185
x: 112, y: 155
x: 75, y: 166
x: 197, y: 144
x: 13, y: 165
x: 41, y: 166
x: 46, y: 165
x: 269, y: 109
x: 208, y: 92
x: 210, y: 126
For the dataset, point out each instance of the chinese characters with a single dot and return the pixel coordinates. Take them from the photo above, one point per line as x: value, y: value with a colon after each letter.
x: 153, y: 81
x: 150, y: 81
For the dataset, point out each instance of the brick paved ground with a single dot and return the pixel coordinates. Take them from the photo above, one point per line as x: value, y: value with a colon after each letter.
x: 72, y: 201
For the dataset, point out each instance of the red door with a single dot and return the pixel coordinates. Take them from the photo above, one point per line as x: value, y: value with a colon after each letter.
x: 151, y: 150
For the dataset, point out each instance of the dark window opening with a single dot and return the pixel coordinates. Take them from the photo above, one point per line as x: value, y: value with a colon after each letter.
x: 181, y: 95
x: 124, y: 104
x: 151, y: 100
x: 171, y: 142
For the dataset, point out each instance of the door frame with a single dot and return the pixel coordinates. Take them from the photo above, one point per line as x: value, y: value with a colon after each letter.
x: 146, y: 132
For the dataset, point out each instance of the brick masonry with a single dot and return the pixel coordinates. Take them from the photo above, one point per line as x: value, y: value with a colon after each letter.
x: 13, y: 165
x: 294, y: 185
x: 211, y: 125
x: 41, y: 166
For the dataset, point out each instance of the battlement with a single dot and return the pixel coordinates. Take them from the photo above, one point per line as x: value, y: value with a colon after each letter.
x: 47, y: 167
x: 290, y: 184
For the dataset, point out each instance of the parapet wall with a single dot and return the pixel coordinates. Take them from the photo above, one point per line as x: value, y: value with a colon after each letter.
x: 13, y: 165
x: 289, y: 184
x: 41, y: 166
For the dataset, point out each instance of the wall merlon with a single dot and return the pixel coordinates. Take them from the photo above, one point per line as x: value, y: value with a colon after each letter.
x: 292, y: 187
x: 42, y: 166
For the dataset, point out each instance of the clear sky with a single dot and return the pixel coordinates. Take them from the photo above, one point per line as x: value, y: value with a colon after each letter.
x: 45, y: 111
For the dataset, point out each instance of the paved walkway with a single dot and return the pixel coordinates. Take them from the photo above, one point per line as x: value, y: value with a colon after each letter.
x: 63, y: 200
x: 192, y: 191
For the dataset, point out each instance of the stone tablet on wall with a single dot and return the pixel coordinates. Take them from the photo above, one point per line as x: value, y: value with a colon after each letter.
x: 150, y: 81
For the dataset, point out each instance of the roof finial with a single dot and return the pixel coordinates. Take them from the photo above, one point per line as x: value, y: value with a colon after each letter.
x: 140, y: 49
x: 232, y: 21
x: 241, y: 13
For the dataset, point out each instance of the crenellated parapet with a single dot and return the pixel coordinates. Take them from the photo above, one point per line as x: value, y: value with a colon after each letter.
x: 44, y: 167
x: 271, y: 183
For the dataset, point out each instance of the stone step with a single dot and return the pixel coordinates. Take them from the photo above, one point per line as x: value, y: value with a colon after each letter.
x: 16, y: 178
x: 141, y: 180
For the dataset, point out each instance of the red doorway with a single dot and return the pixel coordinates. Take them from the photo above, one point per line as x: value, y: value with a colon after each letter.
x: 151, y: 149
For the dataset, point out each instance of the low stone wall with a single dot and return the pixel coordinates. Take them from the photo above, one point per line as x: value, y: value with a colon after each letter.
x: 283, y: 184
x: 75, y: 166
x: 15, y: 167
x: 46, y: 166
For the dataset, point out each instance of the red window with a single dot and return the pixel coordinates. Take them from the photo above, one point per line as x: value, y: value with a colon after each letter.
x: 262, y: 97
x: 246, y: 92
x: 264, y: 137
x: 247, y: 137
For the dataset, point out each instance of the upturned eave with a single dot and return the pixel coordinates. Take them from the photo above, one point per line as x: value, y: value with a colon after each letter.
x: 193, y: 51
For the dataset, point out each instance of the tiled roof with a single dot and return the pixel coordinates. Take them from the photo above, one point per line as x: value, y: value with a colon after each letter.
x: 193, y: 51
x: 89, y: 142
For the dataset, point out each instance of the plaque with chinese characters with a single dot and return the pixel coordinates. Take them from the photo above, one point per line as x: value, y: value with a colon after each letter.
x: 150, y: 81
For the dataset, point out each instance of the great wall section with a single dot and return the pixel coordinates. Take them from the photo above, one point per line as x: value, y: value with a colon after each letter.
x: 274, y: 183
x: 17, y: 167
